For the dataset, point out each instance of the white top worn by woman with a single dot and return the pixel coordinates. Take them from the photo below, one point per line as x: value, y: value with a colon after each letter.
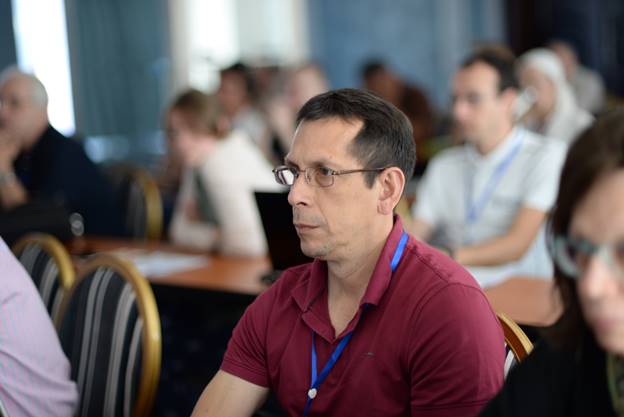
x: 230, y: 174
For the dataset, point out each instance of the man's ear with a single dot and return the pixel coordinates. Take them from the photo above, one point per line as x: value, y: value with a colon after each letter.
x: 392, y: 182
x: 510, y: 96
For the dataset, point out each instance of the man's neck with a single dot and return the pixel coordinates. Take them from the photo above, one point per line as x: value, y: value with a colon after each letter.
x: 349, y: 277
x: 489, y: 144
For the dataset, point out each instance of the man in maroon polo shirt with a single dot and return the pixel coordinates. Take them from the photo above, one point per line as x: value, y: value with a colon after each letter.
x: 379, y: 324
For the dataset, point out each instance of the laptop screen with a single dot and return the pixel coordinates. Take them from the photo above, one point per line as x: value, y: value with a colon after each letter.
x: 282, y: 239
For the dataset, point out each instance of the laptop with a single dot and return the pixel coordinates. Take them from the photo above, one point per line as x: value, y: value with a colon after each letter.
x: 282, y: 240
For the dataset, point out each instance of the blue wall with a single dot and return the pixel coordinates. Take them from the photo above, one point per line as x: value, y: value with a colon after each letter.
x: 423, y: 40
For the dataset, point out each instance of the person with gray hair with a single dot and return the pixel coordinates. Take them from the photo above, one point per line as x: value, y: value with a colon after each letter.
x: 555, y: 112
x: 37, y: 163
x: 587, y: 84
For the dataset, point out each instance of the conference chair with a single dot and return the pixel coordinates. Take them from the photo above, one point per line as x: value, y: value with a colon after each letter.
x: 49, y: 264
x: 109, y: 328
x: 141, y: 201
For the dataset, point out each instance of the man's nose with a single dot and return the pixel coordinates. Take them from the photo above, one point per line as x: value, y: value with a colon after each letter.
x: 459, y: 110
x: 299, y: 192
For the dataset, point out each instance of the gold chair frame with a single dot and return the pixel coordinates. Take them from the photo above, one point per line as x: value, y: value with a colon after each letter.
x: 153, y: 203
x: 515, y: 337
x: 151, y: 335
x: 53, y: 247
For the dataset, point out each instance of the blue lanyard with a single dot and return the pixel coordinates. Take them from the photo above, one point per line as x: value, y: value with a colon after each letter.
x: 317, y: 380
x: 474, y: 210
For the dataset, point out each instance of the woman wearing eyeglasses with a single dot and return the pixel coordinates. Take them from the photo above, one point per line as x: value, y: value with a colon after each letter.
x: 578, y: 369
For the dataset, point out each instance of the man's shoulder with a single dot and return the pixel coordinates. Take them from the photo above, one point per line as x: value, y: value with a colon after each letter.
x: 449, y: 155
x: 536, y: 144
x: 60, y: 148
x: 447, y: 165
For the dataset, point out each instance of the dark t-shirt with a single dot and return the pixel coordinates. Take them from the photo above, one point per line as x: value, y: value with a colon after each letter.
x: 428, y: 344
x: 57, y: 168
x: 556, y: 383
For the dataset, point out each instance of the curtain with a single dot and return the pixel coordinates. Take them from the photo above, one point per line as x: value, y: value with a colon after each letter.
x: 120, y: 62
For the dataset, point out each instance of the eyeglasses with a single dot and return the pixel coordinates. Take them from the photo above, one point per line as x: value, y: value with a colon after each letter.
x: 572, y: 255
x: 316, y: 176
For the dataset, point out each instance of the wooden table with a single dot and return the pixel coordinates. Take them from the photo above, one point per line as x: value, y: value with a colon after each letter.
x: 239, y: 275
x: 526, y: 300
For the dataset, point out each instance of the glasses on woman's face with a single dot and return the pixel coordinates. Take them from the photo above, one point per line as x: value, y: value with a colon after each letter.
x: 573, y: 255
x: 316, y: 176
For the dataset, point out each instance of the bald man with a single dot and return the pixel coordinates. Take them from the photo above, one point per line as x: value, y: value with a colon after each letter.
x: 39, y: 163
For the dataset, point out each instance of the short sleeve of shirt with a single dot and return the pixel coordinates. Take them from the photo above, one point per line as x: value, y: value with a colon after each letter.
x: 456, y: 354
x: 245, y: 356
x: 543, y: 179
x: 429, y: 198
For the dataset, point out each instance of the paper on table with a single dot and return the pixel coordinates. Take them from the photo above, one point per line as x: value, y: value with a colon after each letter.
x: 158, y: 264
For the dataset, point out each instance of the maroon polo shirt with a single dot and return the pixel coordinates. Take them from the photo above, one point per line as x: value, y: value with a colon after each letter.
x: 429, y: 343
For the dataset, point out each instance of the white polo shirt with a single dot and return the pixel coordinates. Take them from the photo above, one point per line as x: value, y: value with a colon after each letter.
x: 522, y: 171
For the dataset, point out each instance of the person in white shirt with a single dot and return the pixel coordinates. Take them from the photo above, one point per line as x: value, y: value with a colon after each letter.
x: 555, y: 112
x: 215, y: 208
x: 485, y: 201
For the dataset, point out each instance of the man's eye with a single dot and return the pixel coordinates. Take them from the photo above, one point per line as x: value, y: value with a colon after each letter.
x: 473, y: 98
x: 326, y: 172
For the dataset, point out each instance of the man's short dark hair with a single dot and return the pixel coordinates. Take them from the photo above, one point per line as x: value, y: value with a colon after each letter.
x: 501, y: 63
x: 246, y: 74
x: 385, y: 138
x: 371, y: 67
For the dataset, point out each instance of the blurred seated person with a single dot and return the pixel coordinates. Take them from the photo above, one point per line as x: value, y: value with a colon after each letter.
x: 554, y: 112
x: 299, y: 85
x: 215, y: 208
x: 168, y: 176
x: 485, y: 202
x: 39, y: 163
x: 578, y: 368
x: 410, y: 99
x: 34, y: 372
x: 586, y: 83
x: 237, y: 95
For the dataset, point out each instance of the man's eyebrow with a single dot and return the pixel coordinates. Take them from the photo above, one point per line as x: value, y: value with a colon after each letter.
x: 322, y: 162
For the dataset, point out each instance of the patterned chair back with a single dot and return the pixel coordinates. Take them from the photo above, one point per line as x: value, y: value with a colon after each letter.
x: 110, y: 330
x: 517, y: 344
x: 47, y: 262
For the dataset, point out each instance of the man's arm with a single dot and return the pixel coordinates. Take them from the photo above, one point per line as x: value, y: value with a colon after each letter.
x: 12, y: 192
x: 456, y: 352
x: 229, y: 396
x: 505, y: 248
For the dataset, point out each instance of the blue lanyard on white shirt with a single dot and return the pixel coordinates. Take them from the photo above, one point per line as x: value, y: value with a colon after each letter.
x: 474, y: 210
x: 317, y: 381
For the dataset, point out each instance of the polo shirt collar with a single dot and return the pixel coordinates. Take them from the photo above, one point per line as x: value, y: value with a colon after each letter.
x: 498, y: 153
x: 308, y: 294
